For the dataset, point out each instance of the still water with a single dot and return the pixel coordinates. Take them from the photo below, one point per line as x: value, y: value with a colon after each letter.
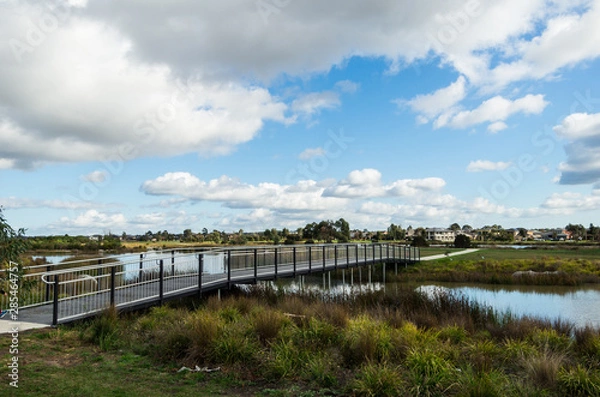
x: 579, y: 306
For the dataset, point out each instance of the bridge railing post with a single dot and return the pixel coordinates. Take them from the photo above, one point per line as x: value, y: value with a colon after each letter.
x: 347, y: 256
x: 200, y: 268
x: 113, y: 273
x: 55, y: 300
x: 335, y: 256
x: 141, y: 272
x: 228, y: 268
x: 48, y: 268
x: 275, y: 263
x: 255, y: 265
x: 309, y: 259
x: 294, y: 260
x: 161, y: 281
x: 172, y: 262
x: 324, y: 257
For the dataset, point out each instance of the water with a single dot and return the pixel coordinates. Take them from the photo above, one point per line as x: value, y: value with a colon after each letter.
x: 579, y: 306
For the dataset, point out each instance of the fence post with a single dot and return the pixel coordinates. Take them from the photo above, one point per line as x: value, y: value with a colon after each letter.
x: 324, y: 261
x: 55, y: 302
x: 309, y: 259
x: 113, y: 273
x: 161, y: 281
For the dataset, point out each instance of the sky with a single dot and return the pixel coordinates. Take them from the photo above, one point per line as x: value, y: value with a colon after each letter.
x: 129, y: 116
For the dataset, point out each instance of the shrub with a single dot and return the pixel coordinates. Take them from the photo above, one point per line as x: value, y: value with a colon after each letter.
x: 366, y: 340
x: 377, y: 380
x: 578, y: 381
x: 430, y: 374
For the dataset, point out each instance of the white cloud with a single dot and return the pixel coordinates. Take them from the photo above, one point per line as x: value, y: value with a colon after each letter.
x: 495, y: 109
x: 311, y: 152
x: 431, y: 105
x: 313, y: 103
x: 486, y: 165
x: 582, y: 166
x: 347, y: 86
x: 497, y: 126
x: 95, y: 177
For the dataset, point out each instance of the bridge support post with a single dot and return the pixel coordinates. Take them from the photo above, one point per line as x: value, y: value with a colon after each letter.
x: 324, y: 287
x: 55, y: 301
x: 352, y: 277
x: 370, y: 272
x: 343, y: 277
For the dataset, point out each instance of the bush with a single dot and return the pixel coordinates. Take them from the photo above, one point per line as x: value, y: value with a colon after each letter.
x: 462, y: 241
x: 377, y: 380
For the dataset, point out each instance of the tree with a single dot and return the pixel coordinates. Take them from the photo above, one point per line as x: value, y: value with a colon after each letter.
x: 419, y: 241
x: 462, y: 241
x: 12, y: 243
x: 454, y: 227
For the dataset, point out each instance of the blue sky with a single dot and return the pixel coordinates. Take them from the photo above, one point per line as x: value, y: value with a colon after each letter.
x: 133, y: 116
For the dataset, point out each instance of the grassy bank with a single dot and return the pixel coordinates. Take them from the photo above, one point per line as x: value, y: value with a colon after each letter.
x: 270, y: 344
x: 498, y: 266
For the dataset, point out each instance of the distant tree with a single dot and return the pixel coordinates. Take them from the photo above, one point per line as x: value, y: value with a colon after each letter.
x: 395, y: 232
x: 419, y: 241
x: 454, y: 227
x: 462, y: 241
x: 343, y: 230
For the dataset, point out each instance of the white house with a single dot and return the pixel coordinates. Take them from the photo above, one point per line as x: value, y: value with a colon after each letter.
x: 437, y: 234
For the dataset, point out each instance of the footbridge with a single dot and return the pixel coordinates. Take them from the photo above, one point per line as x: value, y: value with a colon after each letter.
x: 61, y: 293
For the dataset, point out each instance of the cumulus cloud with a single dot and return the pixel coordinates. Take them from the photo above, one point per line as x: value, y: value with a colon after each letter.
x: 486, y: 165
x: 440, y: 101
x: 347, y: 86
x: 95, y: 177
x: 493, y: 110
x: 313, y: 103
x: 311, y: 152
x: 582, y: 131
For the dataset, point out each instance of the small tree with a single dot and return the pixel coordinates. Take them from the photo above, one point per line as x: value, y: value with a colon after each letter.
x: 419, y: 241
x: 462, y: 241
x: 12, y: 245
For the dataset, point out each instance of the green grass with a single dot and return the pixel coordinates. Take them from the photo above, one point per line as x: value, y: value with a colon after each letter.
x: 374, y: 344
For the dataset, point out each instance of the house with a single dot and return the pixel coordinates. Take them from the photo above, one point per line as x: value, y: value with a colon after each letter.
x: 437, y: 234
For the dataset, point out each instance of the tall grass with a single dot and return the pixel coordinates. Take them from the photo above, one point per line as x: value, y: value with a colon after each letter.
x: 376, y: 343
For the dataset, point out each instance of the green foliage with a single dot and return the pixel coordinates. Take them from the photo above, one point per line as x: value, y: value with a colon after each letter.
x: 430, y: 374
x: 462, y: 241
x: 419, y: 241
x: 377, y: 380
x: 578, y: 381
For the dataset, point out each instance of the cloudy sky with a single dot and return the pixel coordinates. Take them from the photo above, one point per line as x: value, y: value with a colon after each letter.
x: 150, y: 115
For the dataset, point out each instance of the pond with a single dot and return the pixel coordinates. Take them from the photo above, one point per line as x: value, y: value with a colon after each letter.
x: 579, y: 306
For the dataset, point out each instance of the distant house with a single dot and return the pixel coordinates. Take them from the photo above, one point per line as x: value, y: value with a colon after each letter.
x: 437, y: 234
x: 534, y: 235
x: 556, y: 235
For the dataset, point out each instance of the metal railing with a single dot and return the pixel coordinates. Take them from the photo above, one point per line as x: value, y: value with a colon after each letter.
x: 81, y: 288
